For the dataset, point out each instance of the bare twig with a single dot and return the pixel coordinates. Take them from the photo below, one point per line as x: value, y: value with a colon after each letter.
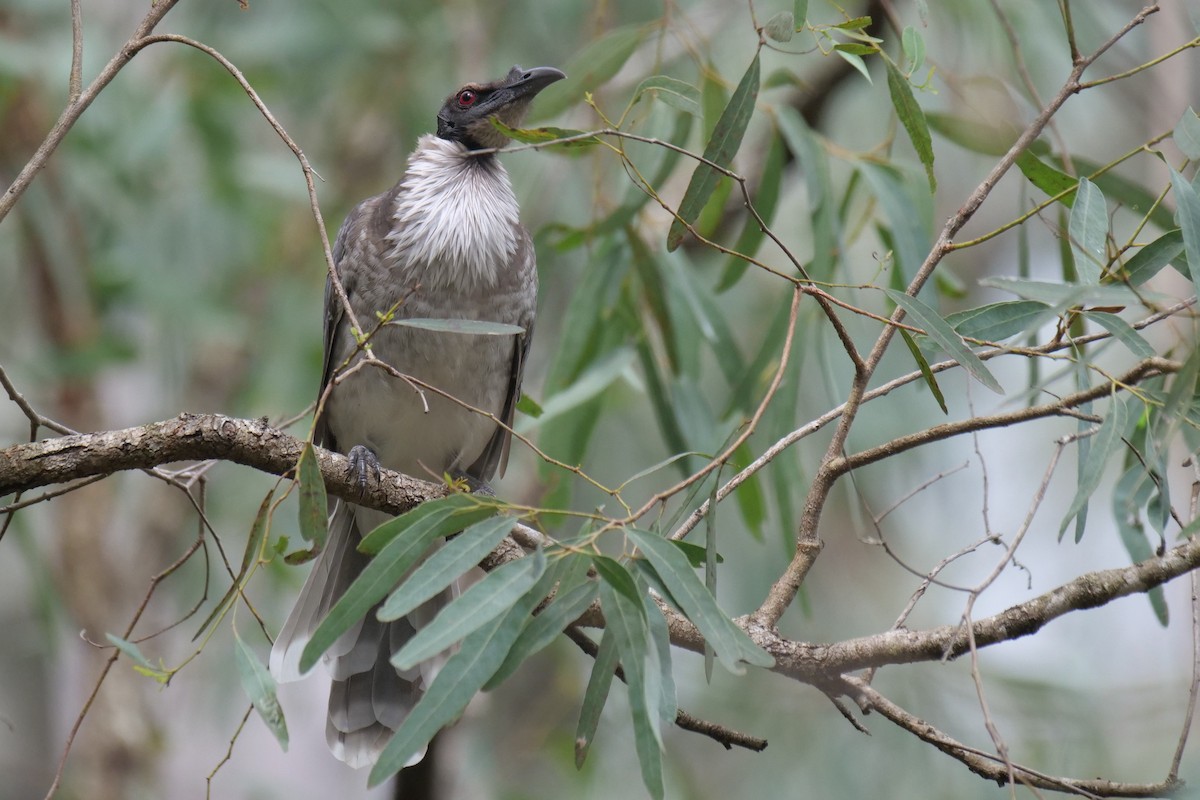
x: 70, y: 115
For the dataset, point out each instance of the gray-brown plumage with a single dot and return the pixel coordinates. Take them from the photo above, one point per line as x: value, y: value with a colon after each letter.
x: 445, y: 242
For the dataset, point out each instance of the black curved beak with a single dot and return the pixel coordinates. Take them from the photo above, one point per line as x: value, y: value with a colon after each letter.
x: 531, y: 81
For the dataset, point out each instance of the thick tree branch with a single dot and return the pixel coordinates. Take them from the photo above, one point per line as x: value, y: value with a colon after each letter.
x: 189, y: 437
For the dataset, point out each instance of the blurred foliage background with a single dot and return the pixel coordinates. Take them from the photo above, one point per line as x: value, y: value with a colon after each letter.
x: 167, y: 260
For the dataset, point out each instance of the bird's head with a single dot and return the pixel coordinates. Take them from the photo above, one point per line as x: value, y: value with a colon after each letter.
x: 466, y: 115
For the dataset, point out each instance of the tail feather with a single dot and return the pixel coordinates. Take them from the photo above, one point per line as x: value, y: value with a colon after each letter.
x: 368, y: 697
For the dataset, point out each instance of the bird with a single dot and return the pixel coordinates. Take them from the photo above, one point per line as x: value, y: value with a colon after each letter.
x: 444, y: 242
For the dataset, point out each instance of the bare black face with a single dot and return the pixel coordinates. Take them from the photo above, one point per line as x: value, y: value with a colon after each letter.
x: 465, y: 114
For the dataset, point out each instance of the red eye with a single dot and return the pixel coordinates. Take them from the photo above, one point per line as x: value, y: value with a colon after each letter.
x: 466, y: 98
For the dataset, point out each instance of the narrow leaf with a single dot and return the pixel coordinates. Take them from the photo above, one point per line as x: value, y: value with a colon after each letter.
x: 456, y: 683
x: 475, y: 327
x: 442, y: 568
x: 617, y: 576
x: 1049, y: 179
x: 314, y: 510
x: 545, y: 628
x: 940, y: 331
x: 1105, y: 444
x: 996, y: 322
x: 379, y: 577
x: 1187, y: 134
x: 926, y: 373
x: 912, y: 118
x: 254, y: 547
x: 1061, y: 296
x: 1148, y: 260
x: 1088, y: 230
x: 765, y: 202
x: 1187, y: 201
x: 131, y: 650
x: 660, y: 679
x: 1123, y: 332
x: 259, y: 686
x: 626, y: 619
x: 483, y: 602
x: 677, y: 94
x: 721, y: 148
x: 446, y: 515
x: 853, y: 59
x: 730, y: 642
x: 595, y: 695
x: 800, y: 11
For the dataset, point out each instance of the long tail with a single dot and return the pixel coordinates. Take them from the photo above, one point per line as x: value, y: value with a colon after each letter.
x: 368, y: 698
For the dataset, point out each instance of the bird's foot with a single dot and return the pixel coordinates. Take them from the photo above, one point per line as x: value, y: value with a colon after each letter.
x: 474, y: 485
x: 363, y: 462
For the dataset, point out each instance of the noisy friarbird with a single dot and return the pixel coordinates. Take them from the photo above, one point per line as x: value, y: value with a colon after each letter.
x: 445, y: 242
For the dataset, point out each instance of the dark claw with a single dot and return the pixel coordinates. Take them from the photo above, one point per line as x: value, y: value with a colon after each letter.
x: 474, y: 484
x: 363, y: 462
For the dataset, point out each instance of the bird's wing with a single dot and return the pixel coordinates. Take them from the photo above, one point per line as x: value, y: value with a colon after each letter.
x: 495, y: 456
x: 354, y: 241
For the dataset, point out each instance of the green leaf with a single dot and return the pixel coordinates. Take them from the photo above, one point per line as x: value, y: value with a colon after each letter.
x: 1123, y: 332
x: 259, y: 686
x: 1088, y: 230
x: 586, y: 72
x: 854, y: 23
x: 926, y: 373
x: 913, y: 45
x: 1106, y: 443
x: 677, y: 94
x: 856, y: 49
x: 1187, y: 201
x: 800, y: 11
x: 912, y: 118
x: 996, y: 322
x: 254, y: 547
x: 658, y: 662
x: 379, y: 577
x: 545, y: 628
x: 710, y: 563
x: 752, y: 503
x: 806, y: 147
x: 1187, y: 134
x: 1061, y: 296
x: 907, y: 210
x: 445, y: 516
x: 475, y: 327
x: 441, y: 569
x: 456, y: 683
x: 940, y: 331
x: 730, y: 642
x: 615, y: 574
x: 528, y: 406
x: 314, y: 511
x: 1151, y: 258
x: 765, y: 202
x: 140, y: 663
x: 1050, y: 180
x: 626, y: 619
x: 598, y: 377
x: 483, y: 602
x: 595, y: 695
x: 854, y: 59
x: 721, y: 148
x: 972, y: 134
x: 1130, y: 496
x: 696, y: 555
x: 781, y: 27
